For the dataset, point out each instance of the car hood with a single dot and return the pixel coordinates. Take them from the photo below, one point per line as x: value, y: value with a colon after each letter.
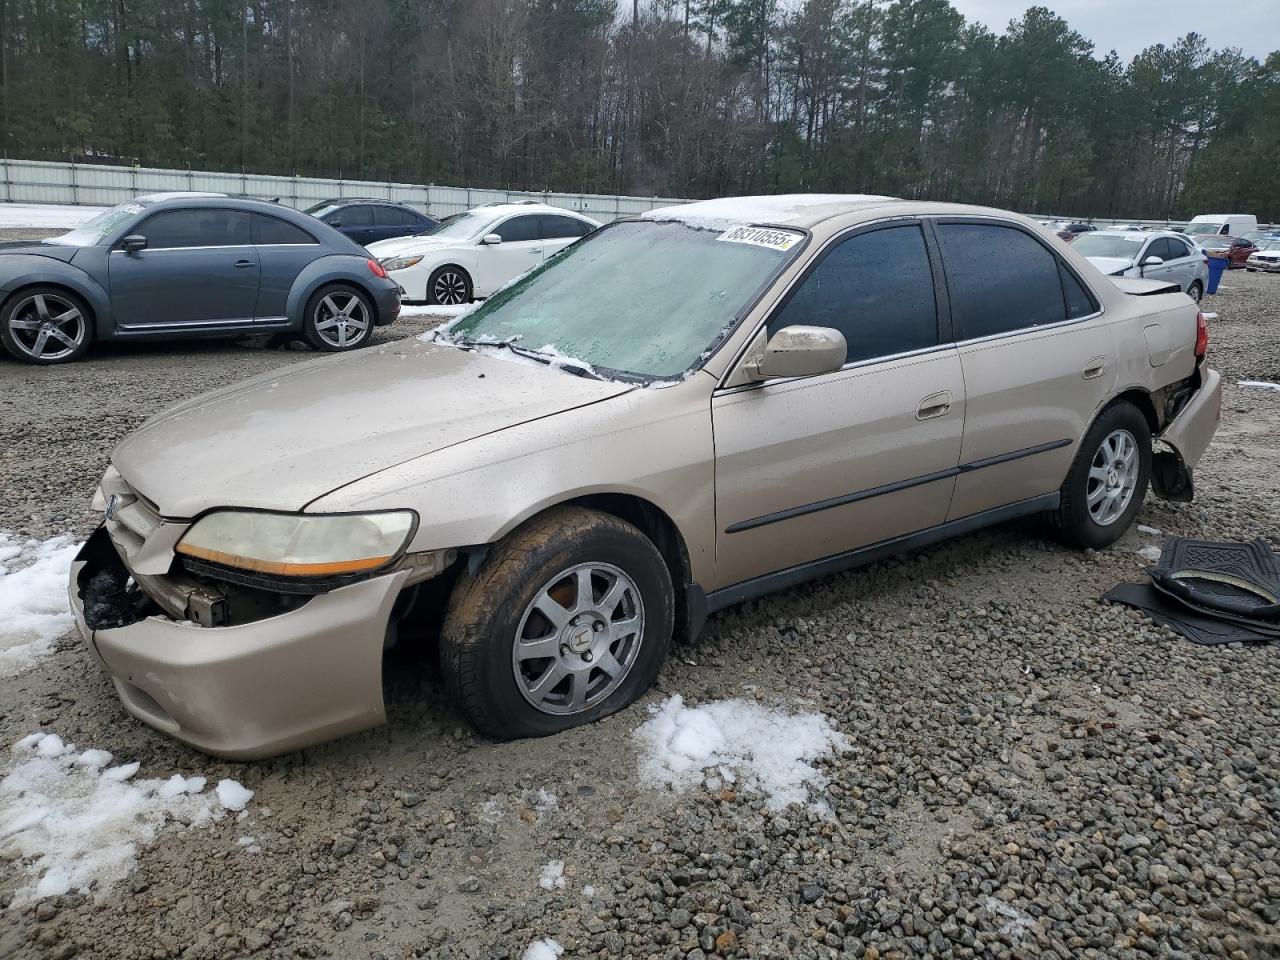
x: 59, y: 251
x: 282, y: 439
x: 399, y: 246
x: 1110, y: 264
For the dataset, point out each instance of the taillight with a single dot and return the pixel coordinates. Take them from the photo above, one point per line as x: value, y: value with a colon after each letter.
x: 376, y: 269
x: 1202, y: 336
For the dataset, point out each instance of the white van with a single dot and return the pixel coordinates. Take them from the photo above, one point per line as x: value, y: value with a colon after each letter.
x: 1222, y: 224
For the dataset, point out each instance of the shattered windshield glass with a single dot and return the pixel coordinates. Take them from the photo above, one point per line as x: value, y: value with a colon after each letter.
x: 645, y: 298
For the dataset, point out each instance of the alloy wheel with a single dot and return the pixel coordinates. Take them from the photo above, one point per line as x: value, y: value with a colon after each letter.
x: 341, y: 319
x: 47, y: 327
x: 578, y: 638
x: 1113, y: 477
x: 450, y: 289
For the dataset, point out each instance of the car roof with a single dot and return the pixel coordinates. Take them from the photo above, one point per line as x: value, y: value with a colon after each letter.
x: 525, y: 206
x: 339, y: 201
x: 787, y: 209
x: 149, y: 198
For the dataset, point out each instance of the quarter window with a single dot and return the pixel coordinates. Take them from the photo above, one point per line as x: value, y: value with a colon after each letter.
x: 1000, y: 279
x: 517, y: 229
x: 876, y: 288
x: 1080, y: 302
x: 200, y: 227
x: 272, y: 230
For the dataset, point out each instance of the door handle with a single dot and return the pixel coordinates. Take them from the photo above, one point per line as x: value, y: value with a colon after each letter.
x: 244, y: 264
x: 539, y: 250
x: 1094, y: 368
x: 934, y: 405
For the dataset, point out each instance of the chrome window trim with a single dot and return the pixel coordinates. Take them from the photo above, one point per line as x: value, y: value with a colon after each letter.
x: 223, y: 246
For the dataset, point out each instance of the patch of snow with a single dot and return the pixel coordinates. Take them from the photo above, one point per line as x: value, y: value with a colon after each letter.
x: 1150, y: 531
x: 545, y: 949
x: 68, y: 824
x: 1149, y: 553
x: 1211, y: 316
x: 588, y: 891
x: 545, y: 803
x: 433, y: 310
x: 48, y: 216
x: 490, y: 812
x: 33, y: 599
x: 727, y: 212
x: 1258, y: 385
x: 1016, y: 923
x: 233, y: 796
x: 250, y: 844
x: 552, y: 877
x: 768, y: 749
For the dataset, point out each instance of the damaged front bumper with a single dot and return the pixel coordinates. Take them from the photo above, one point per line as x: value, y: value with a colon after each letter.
x: 1186, y: 437
x: 241, y: 691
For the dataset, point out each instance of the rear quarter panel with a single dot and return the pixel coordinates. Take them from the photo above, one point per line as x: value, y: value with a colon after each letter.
x: 334, y: 268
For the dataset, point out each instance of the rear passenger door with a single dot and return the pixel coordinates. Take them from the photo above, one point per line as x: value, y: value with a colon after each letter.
x: 809, y: 468
x: 558, y: 232
x: 1037, y: 361
x: 283, y: 251
x: 357, y: 222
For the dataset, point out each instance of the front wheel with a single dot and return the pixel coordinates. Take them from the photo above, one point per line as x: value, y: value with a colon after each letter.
x: 1108, y: 480
x: 567, y: 620
x: 449, y: 286
x: 45, y: 325
x: 338, y: 317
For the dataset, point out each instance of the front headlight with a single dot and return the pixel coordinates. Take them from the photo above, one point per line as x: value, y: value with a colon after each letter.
x: 299, y: 545
x: 400, y: 263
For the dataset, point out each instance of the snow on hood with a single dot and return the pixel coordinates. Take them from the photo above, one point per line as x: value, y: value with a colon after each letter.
x: 1111, y: 264
x: 727, y: 212
x: 402, y: 245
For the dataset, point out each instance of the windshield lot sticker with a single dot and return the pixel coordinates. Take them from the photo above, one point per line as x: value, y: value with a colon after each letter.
x: 762, y: 237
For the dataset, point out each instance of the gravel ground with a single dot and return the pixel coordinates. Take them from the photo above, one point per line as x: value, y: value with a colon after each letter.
x: 1030, y: 772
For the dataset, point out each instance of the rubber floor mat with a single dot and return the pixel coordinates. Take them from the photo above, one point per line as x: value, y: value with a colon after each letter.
x: 1168, y: 612
x: 1240, y: 580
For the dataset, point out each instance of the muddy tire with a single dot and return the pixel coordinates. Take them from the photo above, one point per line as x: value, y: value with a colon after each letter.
x: 566, y: 621
x: 1108, y: 480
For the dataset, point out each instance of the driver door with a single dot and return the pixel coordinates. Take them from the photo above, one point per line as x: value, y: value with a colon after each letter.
x: 199, y: 268
x: 520, y: 251
x: 809, y: 468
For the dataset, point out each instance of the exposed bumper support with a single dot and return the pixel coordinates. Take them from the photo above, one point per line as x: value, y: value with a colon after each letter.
x: 1187, y: 436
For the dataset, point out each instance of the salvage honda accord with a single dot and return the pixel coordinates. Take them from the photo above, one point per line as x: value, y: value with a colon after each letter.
x: 680, y: 412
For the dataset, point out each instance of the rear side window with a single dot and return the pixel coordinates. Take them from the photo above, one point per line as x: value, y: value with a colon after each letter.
x: 199, y: 227
x: 272, y: 230
x: 1000, y: 279
x: 557, y: 228
x: 393, y: 217
x: 876, y: 288
x: 518, y: 228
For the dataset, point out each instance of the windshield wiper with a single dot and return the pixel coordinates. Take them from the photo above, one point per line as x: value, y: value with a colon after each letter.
x: 568, y: 365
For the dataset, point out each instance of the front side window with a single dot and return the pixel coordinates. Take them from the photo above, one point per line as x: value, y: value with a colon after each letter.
x: 517, y: 229
x: 198, y: 227
x: 875, y: 288
x: 1000, y: 279
x: 646, y: 298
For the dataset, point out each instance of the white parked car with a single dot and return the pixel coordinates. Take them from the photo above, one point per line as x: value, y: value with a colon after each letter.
x: 1266, y: 257
x: 475, y: 253
x: 1162, y: 255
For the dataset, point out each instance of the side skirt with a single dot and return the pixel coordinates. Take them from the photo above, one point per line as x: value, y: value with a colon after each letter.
x: 769, y: 582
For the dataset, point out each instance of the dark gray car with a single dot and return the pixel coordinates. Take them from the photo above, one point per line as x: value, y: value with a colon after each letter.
x: 183, y: 265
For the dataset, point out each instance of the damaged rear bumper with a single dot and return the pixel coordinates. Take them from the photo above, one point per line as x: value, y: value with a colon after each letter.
x: 254, y: 689
x: 1186, y: 437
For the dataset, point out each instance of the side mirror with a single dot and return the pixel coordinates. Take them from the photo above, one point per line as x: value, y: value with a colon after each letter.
x: 1153, y: 261
x: 800, y: 351
x: 133, y: 243
x: 490, y: 240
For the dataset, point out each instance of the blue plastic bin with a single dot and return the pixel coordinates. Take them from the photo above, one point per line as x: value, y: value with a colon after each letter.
x: 1216, y: 266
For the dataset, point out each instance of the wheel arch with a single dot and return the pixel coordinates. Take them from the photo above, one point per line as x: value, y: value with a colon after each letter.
x: 96, y: 300
x: 656, y: 524
x: 1141, y: 399
x: 319, y: 274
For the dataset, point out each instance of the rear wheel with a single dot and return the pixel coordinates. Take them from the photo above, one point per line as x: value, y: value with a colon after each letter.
x: 449, y: 286
x: 567, y: 620
x: 1196, y: 291
x: 338, y: 317
x: 1108, y: 481
x: 46, y: 325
